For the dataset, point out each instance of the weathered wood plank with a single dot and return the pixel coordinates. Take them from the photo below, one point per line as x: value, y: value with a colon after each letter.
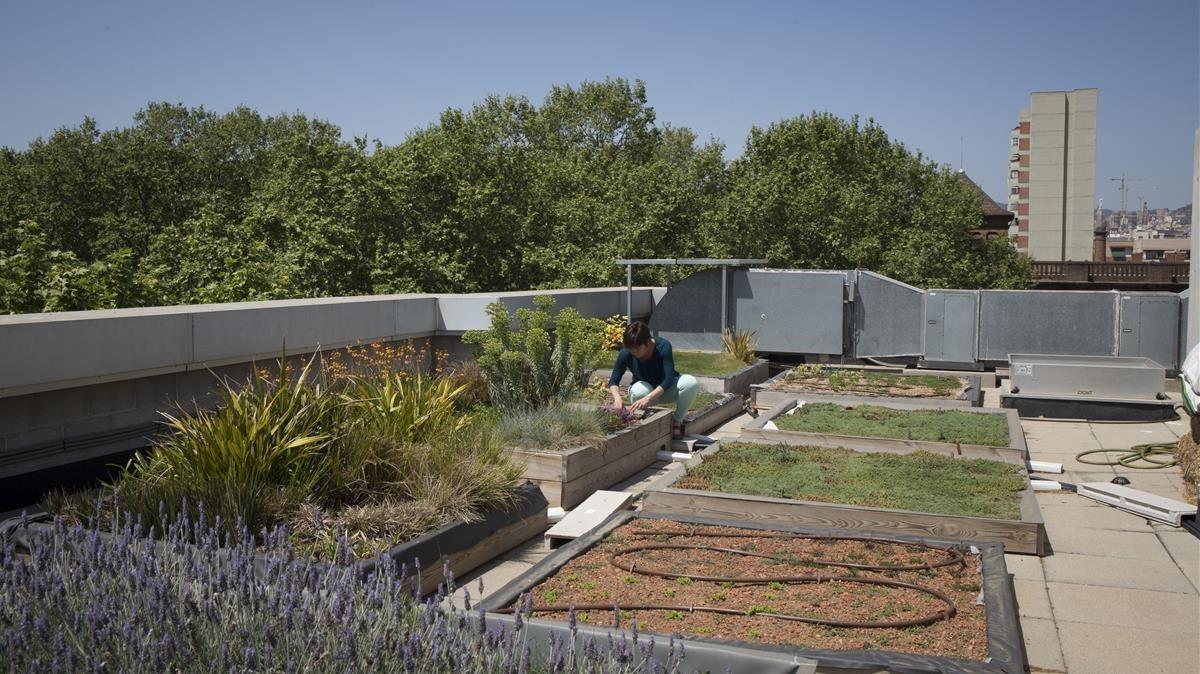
x: 568, y: 464
x: 500, y: 542
x: 577, y: 490
x: 712, y: 417
x: 1016, y: 536
x: 882, y: 445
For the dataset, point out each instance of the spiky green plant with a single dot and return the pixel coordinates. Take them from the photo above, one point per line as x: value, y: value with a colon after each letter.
x: 544, y: 361
x: 740, y: 344
x: 385, y: 457
x: 265, y: 441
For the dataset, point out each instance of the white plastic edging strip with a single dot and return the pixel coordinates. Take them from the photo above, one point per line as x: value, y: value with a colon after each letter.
x: 1044, y: 467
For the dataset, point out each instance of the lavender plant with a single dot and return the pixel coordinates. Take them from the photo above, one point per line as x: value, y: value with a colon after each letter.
x: 75, y: 599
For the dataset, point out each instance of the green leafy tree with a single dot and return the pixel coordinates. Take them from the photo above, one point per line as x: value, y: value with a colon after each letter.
x: 818, y: 191
x: 186, y: 205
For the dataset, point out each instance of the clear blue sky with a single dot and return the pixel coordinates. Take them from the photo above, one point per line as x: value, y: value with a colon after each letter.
x: 929, y: 72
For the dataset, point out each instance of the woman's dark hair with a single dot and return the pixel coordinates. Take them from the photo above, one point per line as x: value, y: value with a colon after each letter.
x: 637, y: 333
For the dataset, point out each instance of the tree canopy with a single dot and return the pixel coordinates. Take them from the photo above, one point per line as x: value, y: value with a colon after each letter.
x: 187, y: 205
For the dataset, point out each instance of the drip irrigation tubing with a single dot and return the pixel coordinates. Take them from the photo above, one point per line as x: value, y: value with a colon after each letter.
x: 956, y: 558
x: 898, y: 391
x: 1151, y: 455
x: 956, y: 555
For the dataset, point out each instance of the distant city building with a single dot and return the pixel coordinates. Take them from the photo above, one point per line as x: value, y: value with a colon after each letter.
x: 1121, y: 249
x: 1052, y: 175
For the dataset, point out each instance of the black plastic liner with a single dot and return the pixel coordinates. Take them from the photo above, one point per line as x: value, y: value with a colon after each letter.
x: 1089, y: 410
x: 431, y: 547
x: 1005, y: 643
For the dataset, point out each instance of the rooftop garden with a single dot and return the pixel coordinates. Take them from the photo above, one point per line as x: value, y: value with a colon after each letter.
x: 920, y: 481
x: 345, y: 446
x: 774, y: 588
x: 885, y: 422
x: 821, y: 379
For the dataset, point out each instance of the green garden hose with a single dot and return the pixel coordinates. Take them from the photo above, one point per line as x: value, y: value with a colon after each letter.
x: 1151, y: 455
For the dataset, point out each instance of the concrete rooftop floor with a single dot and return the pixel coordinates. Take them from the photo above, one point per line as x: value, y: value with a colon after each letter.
x: 1118, y: 594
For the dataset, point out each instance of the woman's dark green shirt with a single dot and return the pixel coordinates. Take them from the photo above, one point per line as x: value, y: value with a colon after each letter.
x: 658, y: 370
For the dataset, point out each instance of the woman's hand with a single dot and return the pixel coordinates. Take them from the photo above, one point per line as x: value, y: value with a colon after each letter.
x: 639, y: 405
x: 618, y: 403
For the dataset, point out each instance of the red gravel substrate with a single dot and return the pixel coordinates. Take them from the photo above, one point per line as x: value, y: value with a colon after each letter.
x: 591, y: 578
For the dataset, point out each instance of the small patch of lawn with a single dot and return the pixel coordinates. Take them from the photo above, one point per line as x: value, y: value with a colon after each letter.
x: 710, y: 363
x: 884, y: 422
x: 922, y: 481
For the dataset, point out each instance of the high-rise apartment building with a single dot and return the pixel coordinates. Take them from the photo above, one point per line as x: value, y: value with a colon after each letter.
x: 1052, y: 175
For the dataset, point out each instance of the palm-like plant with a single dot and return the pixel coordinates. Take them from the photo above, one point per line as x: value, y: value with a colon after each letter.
x: 740, y: 344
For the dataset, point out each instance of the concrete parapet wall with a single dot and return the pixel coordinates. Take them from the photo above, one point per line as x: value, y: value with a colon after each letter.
x: 76, y: 385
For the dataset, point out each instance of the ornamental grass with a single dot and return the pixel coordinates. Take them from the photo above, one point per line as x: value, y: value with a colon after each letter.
x: 382, y: 456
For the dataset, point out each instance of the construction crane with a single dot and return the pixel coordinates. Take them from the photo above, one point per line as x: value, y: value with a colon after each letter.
x: 1125, y: 188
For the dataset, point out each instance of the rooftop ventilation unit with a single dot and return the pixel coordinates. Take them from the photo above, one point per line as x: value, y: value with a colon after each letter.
x: 1095, y: 388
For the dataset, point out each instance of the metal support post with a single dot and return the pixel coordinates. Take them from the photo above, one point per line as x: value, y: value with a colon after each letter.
x: 629, y: 293
x: 724, y: 298
x: 1193, y: 308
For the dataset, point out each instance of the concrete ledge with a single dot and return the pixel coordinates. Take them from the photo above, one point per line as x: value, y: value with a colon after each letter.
x: 82, y: 348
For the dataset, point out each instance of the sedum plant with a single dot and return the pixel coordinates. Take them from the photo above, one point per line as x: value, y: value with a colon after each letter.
x: 201, y: 600
x: 544, y: 361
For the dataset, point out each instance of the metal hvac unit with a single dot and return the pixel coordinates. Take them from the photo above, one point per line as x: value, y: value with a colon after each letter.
x: 951, y: 329
x: 1150, y: 327
x: 1099, y: 388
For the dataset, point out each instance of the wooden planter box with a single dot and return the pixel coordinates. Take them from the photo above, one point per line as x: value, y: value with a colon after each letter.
x: 738, y: 382
x: 714, y: 414
x: 1005, y: 647
x: 765, y: 395
x: 569, y: 476
x: 1026, y: 535
x: 468, y: 546
x: 1015, y: 452
x: 461, y: 545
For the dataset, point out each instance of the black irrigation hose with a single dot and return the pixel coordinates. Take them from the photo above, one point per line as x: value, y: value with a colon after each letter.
x: 956, y: 556
x: 944, y: 614
x: 1129, y: 458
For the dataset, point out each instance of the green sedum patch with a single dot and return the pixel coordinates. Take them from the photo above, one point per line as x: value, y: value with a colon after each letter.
x: 873, y: 421
x: 922, y: 481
